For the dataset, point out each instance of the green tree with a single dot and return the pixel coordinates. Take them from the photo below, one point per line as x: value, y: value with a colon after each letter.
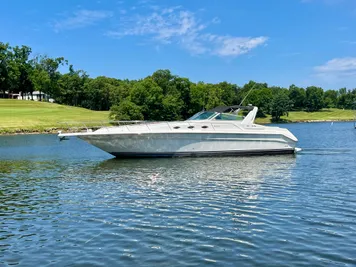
x: 46, y: 74
x: 22, y: 70
x: 199, y: 95
x: 164, y: 79
x: 342, y: 91
x: 261, y: 98
x: 229, y: 93
x: 297, y: 96
x: 214, y: 96
x: 148, y: 95
x: 121, y: 91
x: 5, y: 64
x: 97, y: 93
x: 126, y: 111
x: 314, y: 98
x: 172, y: 107
x: 40, y: 80
x: 205, y: 96
x: 183, y: 87
x: 176, y: 91
x: 280, y: 106
x: 346, y: 101
x: 71, y: 87
x: 330, y: 98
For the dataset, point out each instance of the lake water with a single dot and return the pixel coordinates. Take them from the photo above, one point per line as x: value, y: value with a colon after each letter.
x: 70, y: 204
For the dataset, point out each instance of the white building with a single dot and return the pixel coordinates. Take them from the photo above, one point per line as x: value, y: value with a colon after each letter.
x: 37, y: 96
x: 7, y: 94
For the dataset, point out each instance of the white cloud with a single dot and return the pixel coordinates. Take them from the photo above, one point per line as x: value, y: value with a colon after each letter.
x: 235, y: 46
x: 81, y: 18
x: 176, y: 25
x: 338, y: 66
x: 338, y: 72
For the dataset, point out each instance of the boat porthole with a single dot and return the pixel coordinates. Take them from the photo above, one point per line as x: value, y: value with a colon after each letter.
x: 176, y: 127
x: 190, y: 127
x: 204, y: 127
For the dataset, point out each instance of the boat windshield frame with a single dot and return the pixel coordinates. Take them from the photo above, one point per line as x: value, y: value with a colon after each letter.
x: 211, y: 115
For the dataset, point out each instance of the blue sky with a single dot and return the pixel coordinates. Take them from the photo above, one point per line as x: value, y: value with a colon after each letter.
x: 281, y: 42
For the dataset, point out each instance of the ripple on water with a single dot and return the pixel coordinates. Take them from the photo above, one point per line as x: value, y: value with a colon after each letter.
x: 254, y: 211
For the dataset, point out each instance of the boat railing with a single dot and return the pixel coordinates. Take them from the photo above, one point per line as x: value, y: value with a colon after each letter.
x: 90, y: 126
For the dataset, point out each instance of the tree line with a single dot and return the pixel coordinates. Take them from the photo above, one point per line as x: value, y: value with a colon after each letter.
x: 160, y: 96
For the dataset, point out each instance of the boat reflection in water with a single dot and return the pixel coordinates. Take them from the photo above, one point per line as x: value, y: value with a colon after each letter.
x: 213, y: 175
x: 220, y: 131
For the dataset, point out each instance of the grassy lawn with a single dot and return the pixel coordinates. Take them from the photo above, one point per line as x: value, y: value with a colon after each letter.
x: 22, y: 115
x: 332, y: 114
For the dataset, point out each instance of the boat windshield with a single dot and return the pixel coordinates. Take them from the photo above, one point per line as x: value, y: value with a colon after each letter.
x: 228, y: 117
x: 203, y: 115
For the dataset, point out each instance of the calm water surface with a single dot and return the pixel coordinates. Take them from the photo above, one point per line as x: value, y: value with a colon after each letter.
x: 70, y: 204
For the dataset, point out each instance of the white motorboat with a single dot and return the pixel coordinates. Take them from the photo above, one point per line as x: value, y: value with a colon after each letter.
x: 220, y: 131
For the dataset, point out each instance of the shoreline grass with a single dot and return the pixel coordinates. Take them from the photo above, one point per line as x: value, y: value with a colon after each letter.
x: 324, y: 115
x: 23, y: 116
x: 26, y: 117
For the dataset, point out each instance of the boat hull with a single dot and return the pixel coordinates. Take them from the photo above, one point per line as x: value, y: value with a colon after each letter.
x: 192, y: 144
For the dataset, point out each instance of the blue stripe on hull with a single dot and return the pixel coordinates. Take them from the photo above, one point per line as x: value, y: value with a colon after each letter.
x: 202, y: 154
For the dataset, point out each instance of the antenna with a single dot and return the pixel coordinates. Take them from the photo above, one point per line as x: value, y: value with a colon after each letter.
x: 247, y: 94
x: 238, y: 110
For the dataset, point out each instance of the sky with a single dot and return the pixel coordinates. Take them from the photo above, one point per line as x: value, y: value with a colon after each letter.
x: 280, y: 42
